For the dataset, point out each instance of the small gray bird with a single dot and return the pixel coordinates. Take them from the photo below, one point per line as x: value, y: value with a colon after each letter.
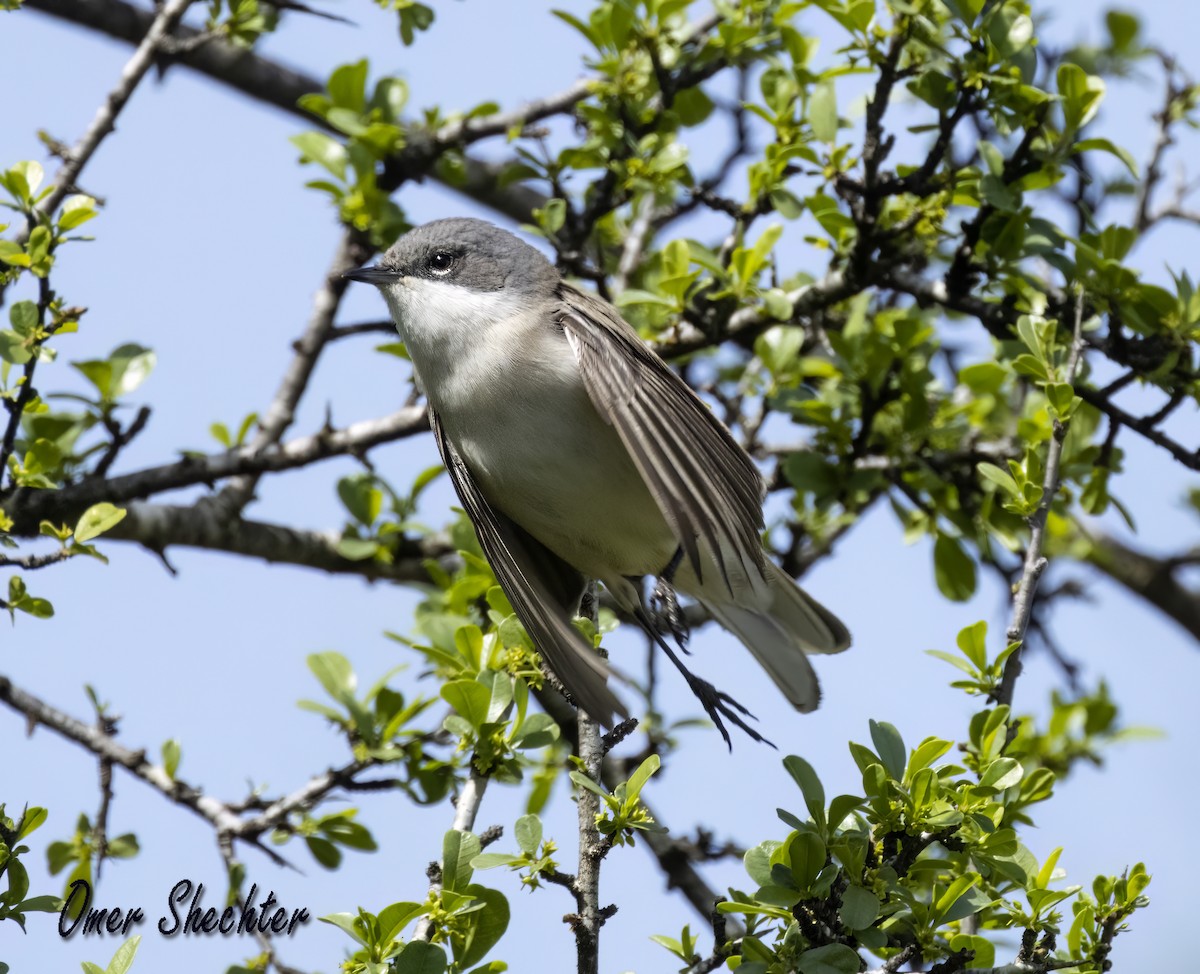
x: 578, y: 454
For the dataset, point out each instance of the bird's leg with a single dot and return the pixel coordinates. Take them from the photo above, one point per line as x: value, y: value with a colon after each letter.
x: 664, y: 603
x: 716, y: 703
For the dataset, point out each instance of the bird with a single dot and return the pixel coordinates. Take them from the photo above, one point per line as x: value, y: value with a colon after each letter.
x: 579, y: 454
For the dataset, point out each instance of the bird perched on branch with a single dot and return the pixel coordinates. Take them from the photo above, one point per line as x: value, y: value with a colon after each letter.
x: 579, y: 454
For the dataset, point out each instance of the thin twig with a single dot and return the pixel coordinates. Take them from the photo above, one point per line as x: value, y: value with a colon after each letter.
x: 106, y: 116
x: 282, y: 411
x: 1035, y: 561
x: 590, y: 748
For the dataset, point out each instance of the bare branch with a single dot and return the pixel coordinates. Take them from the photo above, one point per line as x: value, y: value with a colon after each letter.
x: 282, y: 411
x: 165, y: 20
x: 28, y: 508
x: 157, y: 527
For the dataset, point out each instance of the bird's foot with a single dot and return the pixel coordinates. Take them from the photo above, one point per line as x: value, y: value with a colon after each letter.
x: 718, y: 704
x: 666, y: 613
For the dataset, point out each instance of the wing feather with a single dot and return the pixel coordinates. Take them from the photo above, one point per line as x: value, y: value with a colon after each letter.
x: 543, y: 589
x: 707, y: 487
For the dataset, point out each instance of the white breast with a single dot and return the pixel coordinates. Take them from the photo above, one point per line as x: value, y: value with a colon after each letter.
x: 508, y: 391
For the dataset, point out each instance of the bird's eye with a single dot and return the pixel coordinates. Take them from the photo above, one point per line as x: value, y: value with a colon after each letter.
x: 441, y: 262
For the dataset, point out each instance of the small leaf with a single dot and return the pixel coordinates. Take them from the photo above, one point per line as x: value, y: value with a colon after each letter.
x: 829, y: 959
x: 859, y: 909
x: 528, y: 832
x: 96, y: 520
x: 810, y: 785
x: 420, y: 957
x: 890, y: 745
x: 953, y: 569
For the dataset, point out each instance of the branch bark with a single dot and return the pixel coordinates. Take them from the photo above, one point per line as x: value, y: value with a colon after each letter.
x: 28, y: 508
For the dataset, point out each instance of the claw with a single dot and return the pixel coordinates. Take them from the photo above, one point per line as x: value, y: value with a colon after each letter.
x: 716, y: 703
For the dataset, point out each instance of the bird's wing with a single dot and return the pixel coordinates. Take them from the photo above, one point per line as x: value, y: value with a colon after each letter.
x: 543, y: 589
x: 707, y: 487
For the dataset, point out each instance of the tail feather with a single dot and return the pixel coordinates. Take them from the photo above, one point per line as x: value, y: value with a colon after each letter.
x: 775, y: 650
x: 781, y: 633
x: 814, y: 627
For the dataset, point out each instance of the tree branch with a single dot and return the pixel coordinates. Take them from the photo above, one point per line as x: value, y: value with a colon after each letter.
x: 28, y: 507
x: 1152, y: 579
x: 157, y: 527
x: 590, y: 748
x: 281, y: 413
x: 269, y: 82
x: 1035, y: 562
x: 165, y: 19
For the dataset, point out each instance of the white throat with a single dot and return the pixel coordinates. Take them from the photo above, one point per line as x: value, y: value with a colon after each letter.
x: 453, y: 333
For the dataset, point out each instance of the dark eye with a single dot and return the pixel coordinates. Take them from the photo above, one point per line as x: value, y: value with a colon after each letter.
x: 441, y: 262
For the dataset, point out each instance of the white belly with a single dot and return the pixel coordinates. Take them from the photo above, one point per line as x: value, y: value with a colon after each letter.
x: 511, y: 400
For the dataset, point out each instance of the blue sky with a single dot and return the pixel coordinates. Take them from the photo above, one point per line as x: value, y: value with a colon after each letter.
x: 209, y: 252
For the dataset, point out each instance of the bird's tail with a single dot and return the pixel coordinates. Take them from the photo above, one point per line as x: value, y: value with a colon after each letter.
x: 780, y: 634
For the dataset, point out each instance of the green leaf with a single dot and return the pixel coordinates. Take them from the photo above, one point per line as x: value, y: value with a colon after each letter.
x: 96, y: 520
x: 1106, y: 145
x: 486, y: 927
x: 638, y: 779
x: 324, y: 150
x: 890, y: 745
x: 806, y: 857
x: 970, y: 903
x: 420, y: 957
x: 324, y: 851
x: 335, y: 674
x: 124, y: 956
x: 458, y: 849
x: 32, y: 819
x: 1123, y: 30
x: 951, y: 895
x: 984, y: 949
x: 829, y: 959
x: 1002, y: 773
x: 131, y: 365
x: 76, y: 210
x: 810, y: 785
x: 822, y: 112
x: 469, y: 698
x: 953, y: 569
x: 859, y: 909
x: 928, y: 751
x: 171, y: 753
x: 394, y: 918
x: 347, y: 86
x: 973, y: 642
x: 757, y: 861
x: 1001, y: 478
x: 1081, y: 95
x: 490, y: 860
x: 528, y: 833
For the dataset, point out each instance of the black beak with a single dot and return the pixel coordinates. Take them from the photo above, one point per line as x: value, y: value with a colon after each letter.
x: 373, y: 275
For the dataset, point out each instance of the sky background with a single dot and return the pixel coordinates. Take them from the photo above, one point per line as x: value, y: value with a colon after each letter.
x: 209, y: 252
